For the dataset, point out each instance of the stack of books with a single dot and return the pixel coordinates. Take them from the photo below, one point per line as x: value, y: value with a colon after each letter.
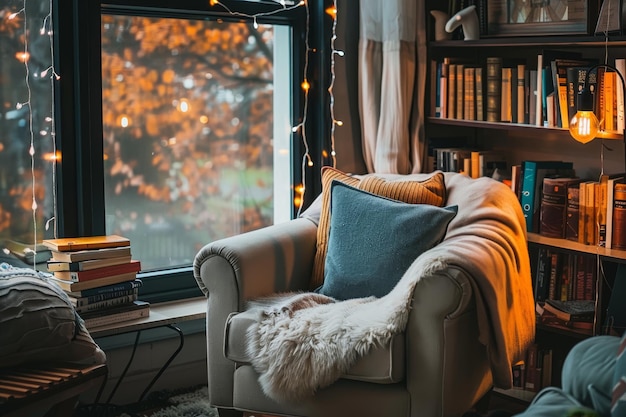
x: 575, y: 315
x: 99, y: 276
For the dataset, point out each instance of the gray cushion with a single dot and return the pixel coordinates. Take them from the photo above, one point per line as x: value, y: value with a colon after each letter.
x: 373, y: 240
x: 38, y: 322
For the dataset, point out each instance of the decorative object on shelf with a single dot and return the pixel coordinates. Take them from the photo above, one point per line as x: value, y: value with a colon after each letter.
x: 469, y: 20
x: 540, y: 17
x: 441, y: 18
x: 610, y: 17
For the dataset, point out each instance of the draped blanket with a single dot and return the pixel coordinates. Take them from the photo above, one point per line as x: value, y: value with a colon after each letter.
x: 302, y: 342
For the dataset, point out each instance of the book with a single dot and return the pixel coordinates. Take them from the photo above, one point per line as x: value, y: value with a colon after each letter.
x: 469, y: 93
x: 620, y: 65
x: 84, y: 243
x: 443, y: 87
x: 559, y: 68
x: 494, y: 84
x: 542, y: 276
x: 480, y: 108
x: 106, y: 304
x: 532, y: 181
x: 460, y: 90
x: 92, y: 274
x: 572, y: 210
x: 571, y: 310
x: 83, y: 301
x: 547, y: 318
x: 522, y: 89
x: 506, y: 105
x: 610, y: 203
x: 590, y: 213
x: 533, y: 372
x: 70, y: 286
x: 136, y: 310
x: 107, y: 289
x: 619, y: 217
x: 86, y: 265
x: 93, y: 254
x: 451, y: 90
x: 553, y: 209
x: 539, y: 92
x: 555, y: 274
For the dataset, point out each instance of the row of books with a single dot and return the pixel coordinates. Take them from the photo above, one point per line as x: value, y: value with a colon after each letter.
x: 586, y: 211
x: 99, y: 276
x: 472, y: 162
x: 564, y: 276
x: 543, y: 95
x: 535, y: 371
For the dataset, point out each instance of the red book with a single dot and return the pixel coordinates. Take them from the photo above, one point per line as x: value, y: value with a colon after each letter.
x: 80, y: 276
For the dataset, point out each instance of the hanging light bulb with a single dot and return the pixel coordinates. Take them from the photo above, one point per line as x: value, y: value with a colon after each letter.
x: 584, y: 125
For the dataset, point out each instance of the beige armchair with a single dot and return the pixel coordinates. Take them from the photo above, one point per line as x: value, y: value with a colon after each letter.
x: 468, y: 320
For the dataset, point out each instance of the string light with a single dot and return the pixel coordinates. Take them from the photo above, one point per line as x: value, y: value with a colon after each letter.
x: 307, y: 161
x: 24, y: 57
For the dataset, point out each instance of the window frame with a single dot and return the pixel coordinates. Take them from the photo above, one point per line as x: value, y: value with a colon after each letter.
x: 78, y: 100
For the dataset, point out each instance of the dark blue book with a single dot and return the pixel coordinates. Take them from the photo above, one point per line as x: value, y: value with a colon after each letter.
x: 533, y: 173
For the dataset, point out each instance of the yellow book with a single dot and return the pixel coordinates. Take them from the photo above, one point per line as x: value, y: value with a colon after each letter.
x: 83, y: 243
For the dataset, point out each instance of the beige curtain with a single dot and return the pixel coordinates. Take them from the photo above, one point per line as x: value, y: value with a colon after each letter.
x: 392, y: 78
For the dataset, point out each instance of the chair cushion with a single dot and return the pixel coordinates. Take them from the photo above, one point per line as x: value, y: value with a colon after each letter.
x: 383, y: 364
x: 38, y: 322
x: 431, y: 190
x: 373, y: 240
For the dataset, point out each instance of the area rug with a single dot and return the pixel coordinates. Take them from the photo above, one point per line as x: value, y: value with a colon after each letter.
x: 190, y: 402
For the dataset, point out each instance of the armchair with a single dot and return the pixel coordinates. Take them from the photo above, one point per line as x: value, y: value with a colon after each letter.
x: 467, y: 321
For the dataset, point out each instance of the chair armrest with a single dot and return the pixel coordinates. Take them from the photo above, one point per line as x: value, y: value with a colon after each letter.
x: 233, y: 270
x: 274, y: 259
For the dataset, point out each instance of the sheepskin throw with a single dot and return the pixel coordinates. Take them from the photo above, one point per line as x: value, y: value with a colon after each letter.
x: 303, y: 342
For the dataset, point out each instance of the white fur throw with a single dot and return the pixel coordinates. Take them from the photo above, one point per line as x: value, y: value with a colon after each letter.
x: 303, y: 342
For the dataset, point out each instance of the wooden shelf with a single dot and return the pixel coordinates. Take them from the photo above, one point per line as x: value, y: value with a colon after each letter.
x: 533, y: 41
x: 615, y: 255
x: 534, y: 129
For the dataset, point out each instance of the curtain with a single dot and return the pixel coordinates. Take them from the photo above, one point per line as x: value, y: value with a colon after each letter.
x: 392, y: 78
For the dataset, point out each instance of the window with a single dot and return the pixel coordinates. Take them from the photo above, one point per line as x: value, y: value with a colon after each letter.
x: 172, y: 122
x: 192, y: 150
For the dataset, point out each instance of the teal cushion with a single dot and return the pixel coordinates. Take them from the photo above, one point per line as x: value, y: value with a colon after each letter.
x: 587, y: 372
x: 554, y: 402
x: 373, y: 240
x: 618, y: 400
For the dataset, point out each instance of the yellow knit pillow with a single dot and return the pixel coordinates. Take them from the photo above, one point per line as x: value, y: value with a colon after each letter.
x: 430, y: 191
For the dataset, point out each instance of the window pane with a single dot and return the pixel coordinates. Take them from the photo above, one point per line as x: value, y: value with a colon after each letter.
x: 192, y: 148
x: 25, y: 118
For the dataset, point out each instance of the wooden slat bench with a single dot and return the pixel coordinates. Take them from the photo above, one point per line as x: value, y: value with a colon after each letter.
x: 53, y: 389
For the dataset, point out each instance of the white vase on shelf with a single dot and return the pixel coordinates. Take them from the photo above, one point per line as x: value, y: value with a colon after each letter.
x: 468, y: 18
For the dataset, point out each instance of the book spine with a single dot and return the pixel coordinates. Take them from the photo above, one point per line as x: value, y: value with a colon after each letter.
x: 480, y: 112
x: 521, y: 93
x: 101, y: 305
x: 83, y: 301
x: 532, y: 381
x: 620, y: 65
x: 553, y: 284
x: 619, y: 217
x: 505, y: 95
x: 452, y: 91
x: 542, y: 276
x: 571, y: 223
x: 572, y: 91
x: 529, y: 171
x: 107, y: 319
x: 443, y: 82
x: 539, y: 92
x: 469, y: 112
x: 460, y: 93
x: 494, y: 83
x: 552, y: 213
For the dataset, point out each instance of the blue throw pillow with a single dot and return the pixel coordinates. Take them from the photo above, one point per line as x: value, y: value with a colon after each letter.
x: 618, y: 400
x: 373, y: 240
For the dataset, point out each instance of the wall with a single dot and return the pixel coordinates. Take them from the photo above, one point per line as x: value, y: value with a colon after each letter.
x: 155, y: 348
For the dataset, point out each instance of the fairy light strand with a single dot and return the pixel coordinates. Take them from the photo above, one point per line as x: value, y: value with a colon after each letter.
x: 307, y: 161
x: 46, y: 29
x: 332, y: 11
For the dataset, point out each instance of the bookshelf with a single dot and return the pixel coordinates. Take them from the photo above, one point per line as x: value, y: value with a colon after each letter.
x: 519, y: 142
